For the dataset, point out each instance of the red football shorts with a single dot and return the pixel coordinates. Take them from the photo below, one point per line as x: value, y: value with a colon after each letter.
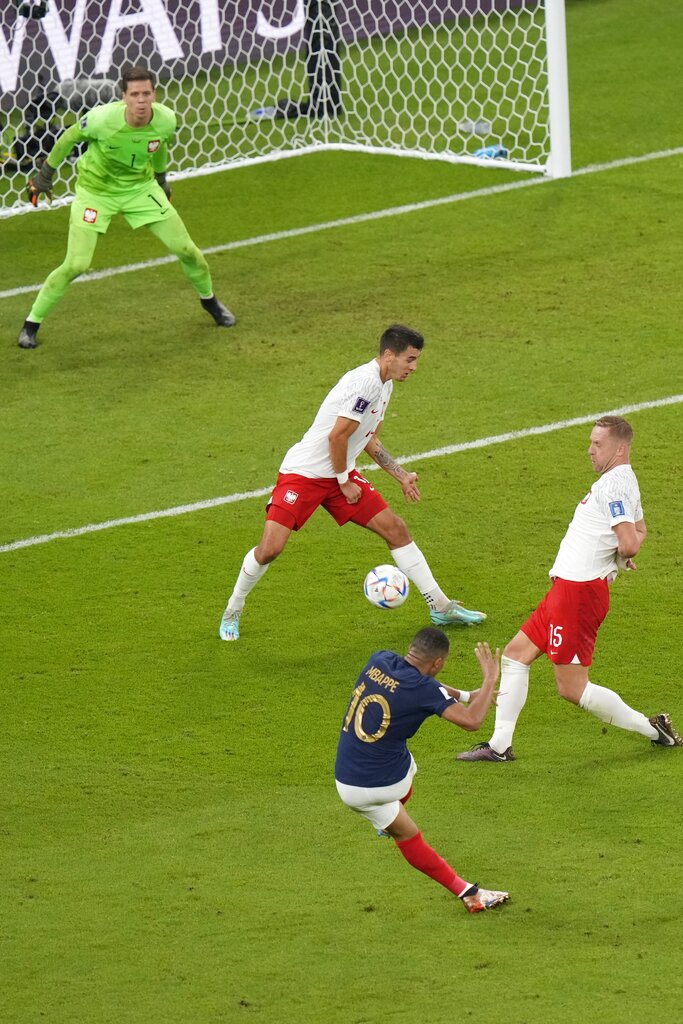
x: 566, y: 622
x: 295, y: 498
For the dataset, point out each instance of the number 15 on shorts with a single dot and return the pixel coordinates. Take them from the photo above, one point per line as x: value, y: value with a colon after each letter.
x: 554, y: 636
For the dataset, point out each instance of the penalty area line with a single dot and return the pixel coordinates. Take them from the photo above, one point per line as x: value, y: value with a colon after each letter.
x: 231, y: 499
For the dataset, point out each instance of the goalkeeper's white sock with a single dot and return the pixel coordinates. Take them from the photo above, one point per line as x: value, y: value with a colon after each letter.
x: 250, y: 573
x: 609, y: 707
x: 514, y: 686
x: 413, y: 563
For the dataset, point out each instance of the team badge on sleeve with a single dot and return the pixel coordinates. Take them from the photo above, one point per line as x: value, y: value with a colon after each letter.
x: 361, y: 405
x: 616, y: 508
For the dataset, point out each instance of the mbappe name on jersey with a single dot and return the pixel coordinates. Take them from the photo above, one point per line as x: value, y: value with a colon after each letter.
x: 382, y: 679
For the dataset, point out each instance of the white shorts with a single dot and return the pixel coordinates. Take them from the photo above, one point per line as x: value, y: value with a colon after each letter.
x: 381, y: 804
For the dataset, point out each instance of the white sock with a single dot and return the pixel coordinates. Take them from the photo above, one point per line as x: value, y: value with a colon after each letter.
x: 609, y: 707
x: 514, y: 686
x: 413, y: 563
x: 250, y: 573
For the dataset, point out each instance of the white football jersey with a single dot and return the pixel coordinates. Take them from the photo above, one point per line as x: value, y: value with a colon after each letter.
x: 589, y: 548
x: 359, y: 395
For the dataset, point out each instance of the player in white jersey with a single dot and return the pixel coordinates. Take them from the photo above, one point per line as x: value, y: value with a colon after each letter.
x: 604, y: 536
x: 362, y: 395
x: 321, y: 470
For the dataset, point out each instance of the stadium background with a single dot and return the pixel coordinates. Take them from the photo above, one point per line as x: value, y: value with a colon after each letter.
x: 85, y: 37
x: 172, y: 845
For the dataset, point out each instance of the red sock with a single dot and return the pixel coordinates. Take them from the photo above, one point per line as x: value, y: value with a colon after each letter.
x: 427, y: 860
x: 406, y: 798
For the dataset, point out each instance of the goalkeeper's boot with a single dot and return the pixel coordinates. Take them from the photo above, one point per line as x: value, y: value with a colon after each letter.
x: 27, y: 335
x: 485, y: 752
x: 666, y: 734
x: 455, y: 612
x: 229, y: 628
x: 220, y: 313
x: 476, y: 899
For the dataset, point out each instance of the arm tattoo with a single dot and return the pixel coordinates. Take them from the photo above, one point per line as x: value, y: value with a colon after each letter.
x: 384, y: 459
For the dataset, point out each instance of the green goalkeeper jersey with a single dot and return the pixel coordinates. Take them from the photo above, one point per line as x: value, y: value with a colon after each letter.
x: 118, y: 158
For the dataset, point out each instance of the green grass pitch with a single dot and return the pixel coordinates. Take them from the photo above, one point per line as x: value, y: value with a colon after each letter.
x: 172, y: 847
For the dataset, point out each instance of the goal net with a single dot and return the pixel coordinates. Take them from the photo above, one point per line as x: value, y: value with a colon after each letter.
x: 479, y: 81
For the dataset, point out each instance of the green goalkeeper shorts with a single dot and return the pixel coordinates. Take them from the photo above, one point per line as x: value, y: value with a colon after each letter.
x: 145, y: 204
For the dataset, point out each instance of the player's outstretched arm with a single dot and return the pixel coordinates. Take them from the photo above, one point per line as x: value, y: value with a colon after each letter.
x: 376, y: 450
x: 471, y: 717
x: 40, y: 183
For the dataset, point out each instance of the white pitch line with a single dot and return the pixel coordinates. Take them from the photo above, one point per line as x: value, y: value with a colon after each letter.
x: 360, y: 218
x: 229, y: 499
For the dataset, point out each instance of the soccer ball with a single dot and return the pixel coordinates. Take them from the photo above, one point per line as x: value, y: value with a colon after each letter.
x: 386, y: 586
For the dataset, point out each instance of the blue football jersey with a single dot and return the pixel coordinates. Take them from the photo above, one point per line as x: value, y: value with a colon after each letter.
x: 388, y: 705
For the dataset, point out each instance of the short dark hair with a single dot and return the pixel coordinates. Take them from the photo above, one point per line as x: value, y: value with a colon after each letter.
x: 397, y: 338
x: 430, y: 643
x: 137, y: 74
x: 617, y: 426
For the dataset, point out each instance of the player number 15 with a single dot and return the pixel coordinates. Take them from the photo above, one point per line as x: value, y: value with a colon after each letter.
x: 555, y: 635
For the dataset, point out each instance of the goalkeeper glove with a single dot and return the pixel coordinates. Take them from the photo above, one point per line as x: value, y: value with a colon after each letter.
x: 40, y: 182
x: 161, y: 180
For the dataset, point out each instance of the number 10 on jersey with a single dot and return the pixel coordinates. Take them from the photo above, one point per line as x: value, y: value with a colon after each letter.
x: 357, y: 708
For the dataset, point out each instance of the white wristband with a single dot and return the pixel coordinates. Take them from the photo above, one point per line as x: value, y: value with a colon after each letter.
x: 342, y: 478
x: 464, y: 697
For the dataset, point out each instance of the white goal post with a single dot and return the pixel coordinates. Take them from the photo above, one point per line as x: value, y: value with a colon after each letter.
x: 475, y: 81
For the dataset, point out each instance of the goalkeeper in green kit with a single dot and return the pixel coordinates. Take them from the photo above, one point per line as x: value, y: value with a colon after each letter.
x: 122, y: 171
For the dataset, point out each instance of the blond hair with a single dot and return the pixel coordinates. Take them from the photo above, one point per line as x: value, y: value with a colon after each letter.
x: 617, y: 426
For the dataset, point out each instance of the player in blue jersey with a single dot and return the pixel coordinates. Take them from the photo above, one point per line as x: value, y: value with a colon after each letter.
x: 374, y: 769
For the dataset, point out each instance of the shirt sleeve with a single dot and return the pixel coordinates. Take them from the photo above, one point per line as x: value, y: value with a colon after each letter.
x: 619, y: 506
x: 91, y: 122
x: 165, y: 122
x: 437, y: 699
x: 64, y: 144
x: 356, y: 399
x: 160, y: 158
